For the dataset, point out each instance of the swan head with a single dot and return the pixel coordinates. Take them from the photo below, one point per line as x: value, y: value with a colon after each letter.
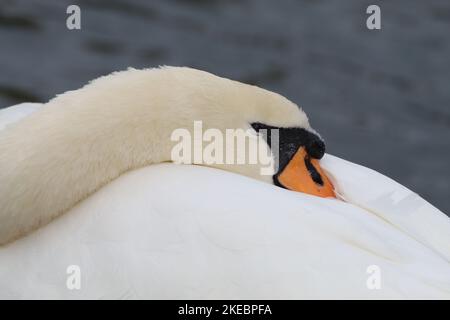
x: 280, y: 127
x: 297, y: 152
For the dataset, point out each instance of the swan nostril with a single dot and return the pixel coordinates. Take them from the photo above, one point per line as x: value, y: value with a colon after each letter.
x: 316, y: 148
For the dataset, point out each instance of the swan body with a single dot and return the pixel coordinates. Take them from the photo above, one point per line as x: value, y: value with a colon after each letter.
x: 191, y: 232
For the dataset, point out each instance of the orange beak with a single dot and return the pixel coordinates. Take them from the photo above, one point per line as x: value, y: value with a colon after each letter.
x: 304, y: 174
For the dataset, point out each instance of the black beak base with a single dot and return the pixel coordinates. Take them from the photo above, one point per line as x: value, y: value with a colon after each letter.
x: 297, y: 137
x: 315, y: 147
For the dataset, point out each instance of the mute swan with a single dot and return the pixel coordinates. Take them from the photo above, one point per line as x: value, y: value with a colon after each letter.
x: 170, y: 231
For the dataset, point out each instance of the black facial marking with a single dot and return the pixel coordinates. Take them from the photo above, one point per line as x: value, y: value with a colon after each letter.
x: 264, y: 130
x: 315, y: 175
x: 290, y: 139
x: 315, y: 147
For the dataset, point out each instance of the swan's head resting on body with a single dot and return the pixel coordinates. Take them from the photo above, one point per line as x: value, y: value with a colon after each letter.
x: 83, y: 139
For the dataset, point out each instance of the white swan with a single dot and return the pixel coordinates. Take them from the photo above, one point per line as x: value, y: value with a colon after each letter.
x: 169, y: 231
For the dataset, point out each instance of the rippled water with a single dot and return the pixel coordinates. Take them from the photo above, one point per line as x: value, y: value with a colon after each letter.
x: 380, y: 98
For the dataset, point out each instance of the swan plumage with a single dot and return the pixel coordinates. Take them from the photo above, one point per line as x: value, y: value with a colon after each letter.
x: 180, y: 231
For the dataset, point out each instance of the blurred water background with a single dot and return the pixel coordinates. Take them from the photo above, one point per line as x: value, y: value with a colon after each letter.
x: 379, y: 98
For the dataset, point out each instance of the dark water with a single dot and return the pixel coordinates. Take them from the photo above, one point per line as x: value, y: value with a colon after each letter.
x: 380, y: 98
